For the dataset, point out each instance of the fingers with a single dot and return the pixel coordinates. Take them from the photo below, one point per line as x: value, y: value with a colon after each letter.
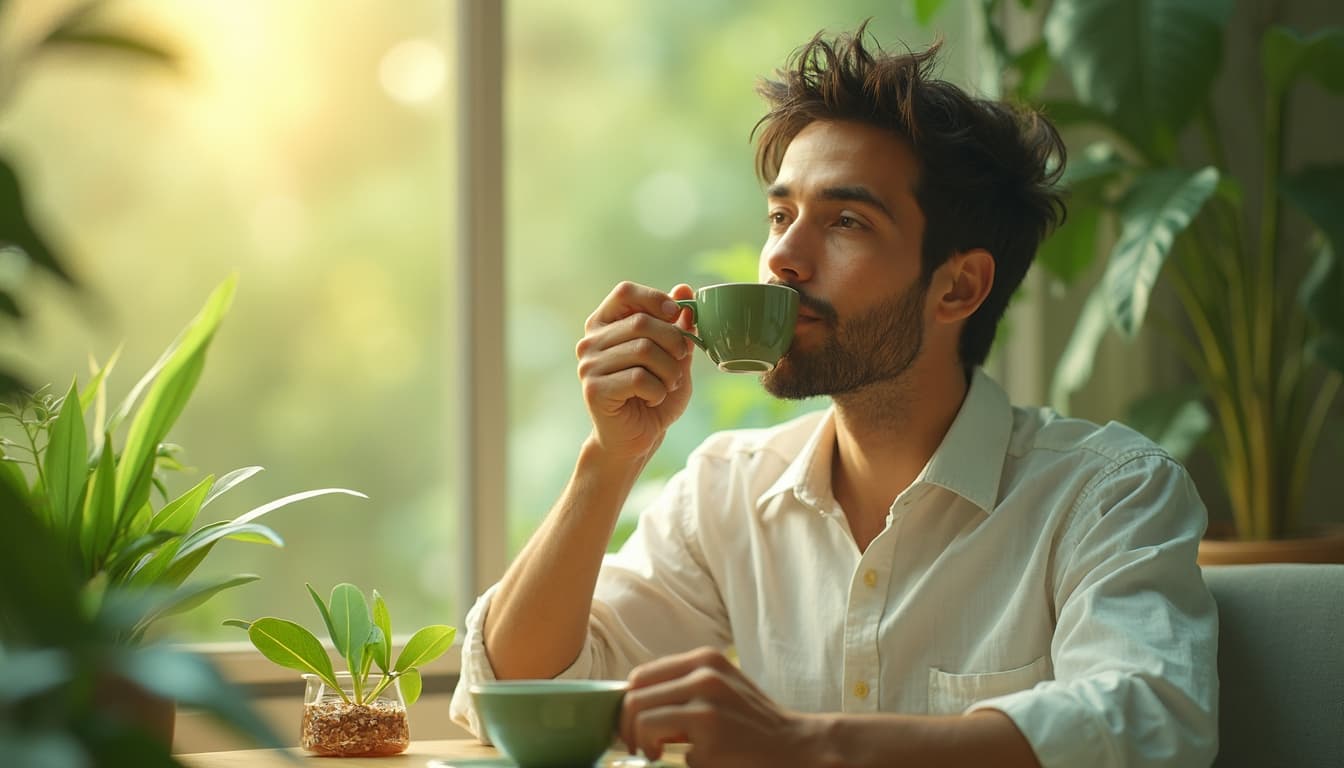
x: 669, y: 697
x: 628, y: 299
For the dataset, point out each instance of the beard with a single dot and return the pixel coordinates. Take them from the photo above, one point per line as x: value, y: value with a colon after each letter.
x: 878, y: 345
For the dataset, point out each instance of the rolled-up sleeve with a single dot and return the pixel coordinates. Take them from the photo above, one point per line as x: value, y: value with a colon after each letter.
x: 1135, y: 645
x: 653, y: 597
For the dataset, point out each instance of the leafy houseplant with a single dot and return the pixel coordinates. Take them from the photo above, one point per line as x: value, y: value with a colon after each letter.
x: 1262, y: 334
x: 98, y: 501
x: 55, y: 656
x: 360, y: 714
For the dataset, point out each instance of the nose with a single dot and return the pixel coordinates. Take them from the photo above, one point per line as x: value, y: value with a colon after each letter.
x: 789, y: 257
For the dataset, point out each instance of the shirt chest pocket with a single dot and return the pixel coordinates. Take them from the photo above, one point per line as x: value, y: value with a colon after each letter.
x: 951, y: 693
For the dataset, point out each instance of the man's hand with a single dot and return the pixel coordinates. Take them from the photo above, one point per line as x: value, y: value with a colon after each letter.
x: 700, y: 698
x: 635, y: 366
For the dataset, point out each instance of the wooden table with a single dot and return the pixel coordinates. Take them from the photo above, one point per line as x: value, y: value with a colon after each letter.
x: 419, y: 754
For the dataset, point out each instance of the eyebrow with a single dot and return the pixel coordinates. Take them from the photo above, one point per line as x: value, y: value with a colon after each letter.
x: 857, y: 194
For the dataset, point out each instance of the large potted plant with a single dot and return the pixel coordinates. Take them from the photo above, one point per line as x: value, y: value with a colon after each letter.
x: 1261, y: 308
x: 107, y: 504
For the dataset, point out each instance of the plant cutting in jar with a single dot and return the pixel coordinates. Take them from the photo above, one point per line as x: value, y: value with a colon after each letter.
x: 360, y: 712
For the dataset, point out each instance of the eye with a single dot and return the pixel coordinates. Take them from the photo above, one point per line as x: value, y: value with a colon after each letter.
x: 848, y: 222
x: 777, y: 219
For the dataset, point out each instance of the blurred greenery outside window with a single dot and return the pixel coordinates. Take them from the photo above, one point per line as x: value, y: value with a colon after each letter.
x: 310, y: 147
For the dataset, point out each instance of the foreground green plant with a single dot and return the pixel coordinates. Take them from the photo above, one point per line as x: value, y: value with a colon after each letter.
x: 98, y: 501
x: 362, y: 637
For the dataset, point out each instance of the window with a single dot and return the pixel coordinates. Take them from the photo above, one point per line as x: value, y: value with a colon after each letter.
x: 308, y: 146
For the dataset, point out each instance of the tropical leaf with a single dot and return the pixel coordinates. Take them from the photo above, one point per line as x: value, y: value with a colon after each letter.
x: 411, y: 685
x: 1147, y: 64
x: 1034, y: 66
x: 1285, y: 55
x: 1176, y: 420
x: 165, y: 399
x: 1069, y: 251
x: 350, y: 623
x: 100, y: 510
x: 67, y: 464
x: 89, y: 394
x: 1075, y: 365
x: 178, y: 514
x: 91, y: 41
x: 291, y: 646
x: 424, y: 646
x: 382, y: 618
x: 17, y: 230
x: 128, y: 556
x: 1158, y: 207
x: 322, y: 609
x: 925, y: 10
x: 228, y: 482
x: 1318, y: 192
x: 290, y: 499
x: 198, y: 545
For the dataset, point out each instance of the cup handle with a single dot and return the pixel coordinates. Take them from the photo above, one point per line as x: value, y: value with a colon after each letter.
x: 695, y: 318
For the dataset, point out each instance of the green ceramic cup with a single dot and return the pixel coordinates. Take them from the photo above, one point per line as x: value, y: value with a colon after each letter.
x: 551, y: 723
x: 744, y: 327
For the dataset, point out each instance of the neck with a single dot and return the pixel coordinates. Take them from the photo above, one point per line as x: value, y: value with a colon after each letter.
x: 886, y: 433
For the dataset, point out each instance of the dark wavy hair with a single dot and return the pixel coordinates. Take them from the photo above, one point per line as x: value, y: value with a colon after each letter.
x: 987, y: 169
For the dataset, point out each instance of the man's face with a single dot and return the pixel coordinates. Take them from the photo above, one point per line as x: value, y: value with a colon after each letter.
x: 845, y: 230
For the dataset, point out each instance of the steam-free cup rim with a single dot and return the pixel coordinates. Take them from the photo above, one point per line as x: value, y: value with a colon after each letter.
x: 527, y: 687
x: 728, y: 285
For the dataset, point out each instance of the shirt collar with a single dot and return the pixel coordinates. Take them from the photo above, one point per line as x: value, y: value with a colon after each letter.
x: 969, y: 461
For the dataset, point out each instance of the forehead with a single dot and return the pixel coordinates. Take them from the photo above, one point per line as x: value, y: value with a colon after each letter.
x: 828, y: 153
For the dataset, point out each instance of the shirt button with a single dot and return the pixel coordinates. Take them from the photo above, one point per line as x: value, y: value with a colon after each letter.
x: 861, y: 689
x: 870, y: 577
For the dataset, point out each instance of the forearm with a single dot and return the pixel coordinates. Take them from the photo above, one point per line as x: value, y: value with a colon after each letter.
x: 986, y: 737
x: 538, y: 618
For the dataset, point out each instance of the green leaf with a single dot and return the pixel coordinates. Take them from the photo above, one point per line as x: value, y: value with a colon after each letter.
x: 291, y: 646
x: 109, y: 42
x: 1284, y: 55
x: 424, y: 646
x: 166, y: 398
x: 372, y: 647
x: 178, y: 514
x: 322, y: 609
x: 1157, y: 208
x: 1070, y: 250
x: 67, y: 464
x: 1328, y: 348
x: 1034, y: 66
x: 1099, y: 163
x: 129, y: 555
x: 16, y: 229
x: 1318, y: 192
x: 228, y: 482
x: 383, y: 620
x: 410, y: 685
x: 1074, y: 368
x: 198, y: 545
x: 239, y: 623
x: 1176, y: 420
x: 100, y: 512
x: 290, y: 499
x: 1147, y: 64
x: 95, y: 385
x: 11, y: 476
x: 192, y: 596
x: 350, y: 623
x: 925, y: 10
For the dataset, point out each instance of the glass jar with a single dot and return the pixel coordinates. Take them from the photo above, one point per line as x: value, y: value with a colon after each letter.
x: 338, y: 727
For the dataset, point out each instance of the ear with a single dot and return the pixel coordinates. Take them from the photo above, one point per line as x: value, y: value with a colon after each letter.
x: 963, y: 285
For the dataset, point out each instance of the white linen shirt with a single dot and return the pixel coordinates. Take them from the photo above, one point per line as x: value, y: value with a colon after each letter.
x: 1038, y: 565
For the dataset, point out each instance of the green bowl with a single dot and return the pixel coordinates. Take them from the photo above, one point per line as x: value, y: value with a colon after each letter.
x: 550, y: 723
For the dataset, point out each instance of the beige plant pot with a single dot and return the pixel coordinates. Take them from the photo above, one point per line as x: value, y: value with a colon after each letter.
x: 1325, y: 547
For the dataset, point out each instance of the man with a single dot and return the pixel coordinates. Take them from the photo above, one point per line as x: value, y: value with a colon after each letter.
x: 920, y: 575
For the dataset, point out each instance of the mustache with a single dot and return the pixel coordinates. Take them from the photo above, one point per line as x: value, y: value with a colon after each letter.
x: 819, y: 307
